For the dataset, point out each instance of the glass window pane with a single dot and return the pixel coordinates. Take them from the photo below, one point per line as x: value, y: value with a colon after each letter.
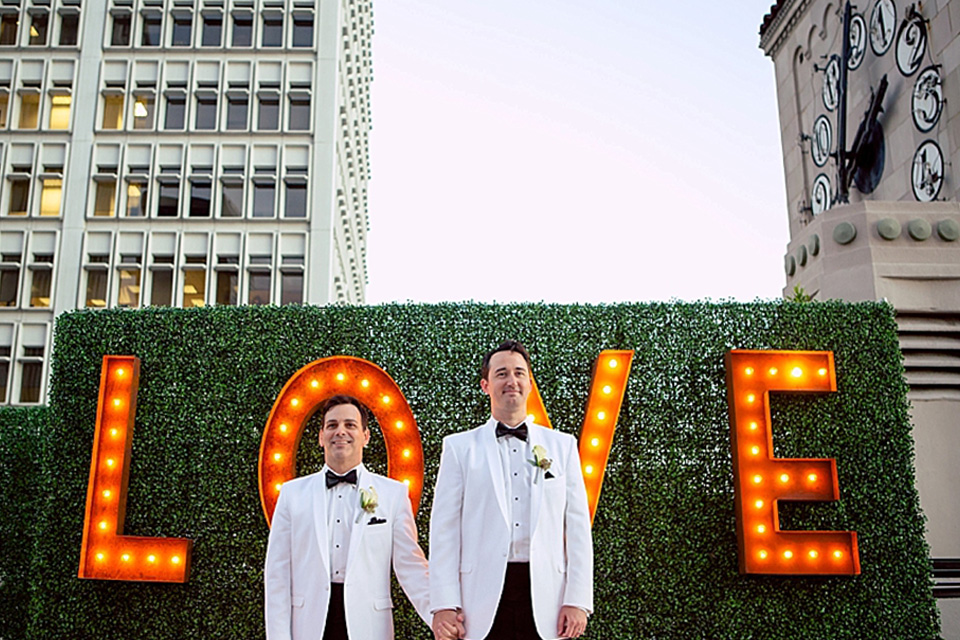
x: 136, y: 200
x: 128, y: 291
x: 199, y: 199
x: 194, y: 288
x: 38, y: 28
x: 106, y: 198
x: 269, y: 119
x: 60, y: 112
x: 9, y: 284
x: 30, y: 381
x: 212, y: 31
x: 8, y: 28
x: 29, y: 110
x: 69, y: 26
x: 112, y: 112
x: 227, y: 287
x: 40, y: 288
x: 272, y: 32
x: 19, y: 196
x: 242, y: 30
x: 299, y: 114
x: 303, y: 31
x: 169, y: 202
x: 206, y: 113
x: 50, y: 197
x: 143, y: 112
x: 96, y: 288
x: 237, y: 112
x: 176, y: 112
x: 259, y: 288
x: 4, y: 103
x: 4, y: 379
x: 162, y: 290
x: 120, y: 36
x: 182, y: 28
x: 232, y: 202
x: 150, y: 36
x: 263, y: 196
x: 291, y: 288
x: 296, y: 204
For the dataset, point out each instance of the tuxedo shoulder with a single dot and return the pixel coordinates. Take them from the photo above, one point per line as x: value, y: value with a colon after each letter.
x: 553, y: 434
x: 463, y: 436
x: 297, y: 484
x: 389, y: 483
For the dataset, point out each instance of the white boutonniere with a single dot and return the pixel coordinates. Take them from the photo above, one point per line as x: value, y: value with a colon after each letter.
x: 540, y: 460
x: 368, y: 501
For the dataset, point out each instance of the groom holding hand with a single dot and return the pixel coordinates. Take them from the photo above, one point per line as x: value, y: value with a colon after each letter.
x: 511, y: 555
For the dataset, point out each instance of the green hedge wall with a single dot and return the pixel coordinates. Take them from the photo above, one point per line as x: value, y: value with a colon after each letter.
x: 664, y: 532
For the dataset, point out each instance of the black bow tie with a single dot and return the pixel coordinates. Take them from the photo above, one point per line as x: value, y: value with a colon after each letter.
x: 519, y: 432
x: 333, y: 479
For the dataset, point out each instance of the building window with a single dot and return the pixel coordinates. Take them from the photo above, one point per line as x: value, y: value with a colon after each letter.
x: 259, y: 288
x: 237, y: 112
x: 128, y: 289
x: 242, y: 30
x: 232, y: 201
x: 296, y: 201
x: 227, y: 287
x: 212, y: 30
x: 194, y: 288
x: 9, y: 282
x: 269, y: 119
x: 200, y: 199
x: 112, y: 112
x: 120, y: 35
x: 182, y: 28
x: 40, y: 287
x: 106, y: 198
x: 8, y: 28
x: 38, y: 28
x: 51, y: 195
x: 206, y: 117
x: 96, y: 288
x: 4, y: 103
x: 169, y: 201
x: 176, y: 112
x: 299, y: 113
x: 60, y: 112
x: 150, y: 36
x: 69, y: 26
x: 19, y: 197
x: 162, y: 290
x: 4, y: 376
x: 302, y: 31
x: 291, y: 288
x: 32, y: 376
x: 136, y: 199
x: 263, y: 197
x: 29, y: 110
x: 143, y: 111
x: 272, y: 35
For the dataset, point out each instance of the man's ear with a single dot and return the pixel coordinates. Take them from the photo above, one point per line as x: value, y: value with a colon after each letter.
x: 484, y: 385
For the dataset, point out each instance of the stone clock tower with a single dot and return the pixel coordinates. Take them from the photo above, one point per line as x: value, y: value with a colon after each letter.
x: 869, y: 103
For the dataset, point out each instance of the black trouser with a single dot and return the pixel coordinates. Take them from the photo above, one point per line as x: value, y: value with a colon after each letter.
x: 514, y: 619
x: 336, y: 627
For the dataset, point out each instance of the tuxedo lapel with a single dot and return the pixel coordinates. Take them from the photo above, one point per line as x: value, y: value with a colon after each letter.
x: 320, y: 519
x: 536, y: 490
x: 488, y: 445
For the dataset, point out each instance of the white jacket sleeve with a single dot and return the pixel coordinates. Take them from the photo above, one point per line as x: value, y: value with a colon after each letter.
x: 445, y: 535
x: 277, y: 575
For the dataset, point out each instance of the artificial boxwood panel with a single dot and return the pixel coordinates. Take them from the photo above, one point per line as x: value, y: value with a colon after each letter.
x: 666, y: 555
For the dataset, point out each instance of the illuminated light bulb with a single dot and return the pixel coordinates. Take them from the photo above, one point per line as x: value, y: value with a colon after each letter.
x: 106, y: 493
x: 595, y: 442
x: 784, y: 477
x: 757, y: 479
x: 175, y: 559
x: 761, y: 529
x: 838, y: 554
x: 406, y: 453
x: 753, y: 426
x: 812, y: 477
x: 796, y: 372
x: 751, y: 397
x: 125, y: 557
x: 114, y: 432
x: 762, y: 555
x: 283, y: 428
x: 788, y: 554
x: 100, y: 557
x: 601, y: 415
x: 813, y: 554
x: 822, y: 372
x: 613, y: 363
x: 364, y: 383
x: 588, y: 469
x: 151, y: 558
x: 758, y: 504
x: 314, y: 383
x: 755, y: 450
x: 119, y: 373
x: 399, y: 424
x: 103, y: 524
x: 340, y: 377
x: 277, y: 486
x: 386, y: 399
x: 294, y: 402
x: 116, y: 402
x: 277, y: 457
x: 407, y: 482
x: 748, y: 371
x: 773, y: 371
x: 608, y: 390
x: 110, y: 462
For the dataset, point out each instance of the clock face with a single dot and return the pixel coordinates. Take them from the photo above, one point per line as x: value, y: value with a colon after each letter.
x: 927, y: 103
x: 927, y: 175
x: 822, y: 141
x: 831, y: 83
x: 911, y: 45
x: 883, y: 20
x: 820, y: 194
x: 858, y: 41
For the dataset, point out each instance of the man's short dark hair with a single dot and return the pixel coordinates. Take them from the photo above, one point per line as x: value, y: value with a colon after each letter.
x: 506, y: 345
x: 338, y: 400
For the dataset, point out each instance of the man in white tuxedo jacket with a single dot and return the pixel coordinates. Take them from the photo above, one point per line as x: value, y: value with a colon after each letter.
x: 333, y: 537
x: 510, y: 543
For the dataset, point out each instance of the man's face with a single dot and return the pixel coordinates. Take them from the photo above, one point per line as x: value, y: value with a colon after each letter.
x: 343, y: 437
x: 508, y: 383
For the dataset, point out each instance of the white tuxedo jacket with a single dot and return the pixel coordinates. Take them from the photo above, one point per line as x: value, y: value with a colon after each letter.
x: 470, y: 531
x: 297, y: 568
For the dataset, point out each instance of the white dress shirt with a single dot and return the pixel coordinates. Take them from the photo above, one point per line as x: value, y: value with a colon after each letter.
x: 515, y: 456
x: 343, y: 506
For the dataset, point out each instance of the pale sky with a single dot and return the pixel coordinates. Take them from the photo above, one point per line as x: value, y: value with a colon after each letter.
x: 561, y: 151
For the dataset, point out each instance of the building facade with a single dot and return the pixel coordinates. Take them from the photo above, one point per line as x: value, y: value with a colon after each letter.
x: 870, y: 129
x: 177, y: 153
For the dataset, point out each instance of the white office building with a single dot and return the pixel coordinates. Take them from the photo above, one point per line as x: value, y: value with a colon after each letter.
x: 177, y: 153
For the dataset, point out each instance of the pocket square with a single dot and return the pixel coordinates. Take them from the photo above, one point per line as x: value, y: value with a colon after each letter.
x: 548, y: 476
x: 377, y: 521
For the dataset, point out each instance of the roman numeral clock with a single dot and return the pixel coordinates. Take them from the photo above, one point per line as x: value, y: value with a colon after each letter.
x: 853, y: 72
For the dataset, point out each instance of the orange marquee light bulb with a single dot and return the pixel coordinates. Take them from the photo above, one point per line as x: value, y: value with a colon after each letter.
x: 595, y: 442
x: 406, y: 453
x: 314, y: 383
x: 125, y: 557
x: 748, y: 371
x: 753, y: 426
x: 114, y: 433
x: 784, y: 477
x: 277, y: 486
x: 758, y: 504
x: 796, y: 372
x: 762, y: 555
x: 399, y: 424
x: 386, y: 399
x: 120, y: 373
x: 757, y: 479
x: 151, y: 558
x: 607, y: 390
x: 111, y: 462
x: 175, y: 559
x: 364, y: 383
x: 822, y: 371
x: 283, y: 428
x: 294, y: 402
x: 116, y: 402
x: 812, y: 477
x: 838, y: 554
x: 773, y: 371
x: 106, y: 493
x: 788, y: 554
x: 751, y: 398
x: 761, y: 529
x: 100, y: 557
x: 103, y: 524
x: 588, y: 469
x: 813, y: 554
x: 340, y: 377
x: 277, y: 457
x: 601, y: 415
x: 407, y: 482
x: 613, y: 363
x: 755, y: 450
